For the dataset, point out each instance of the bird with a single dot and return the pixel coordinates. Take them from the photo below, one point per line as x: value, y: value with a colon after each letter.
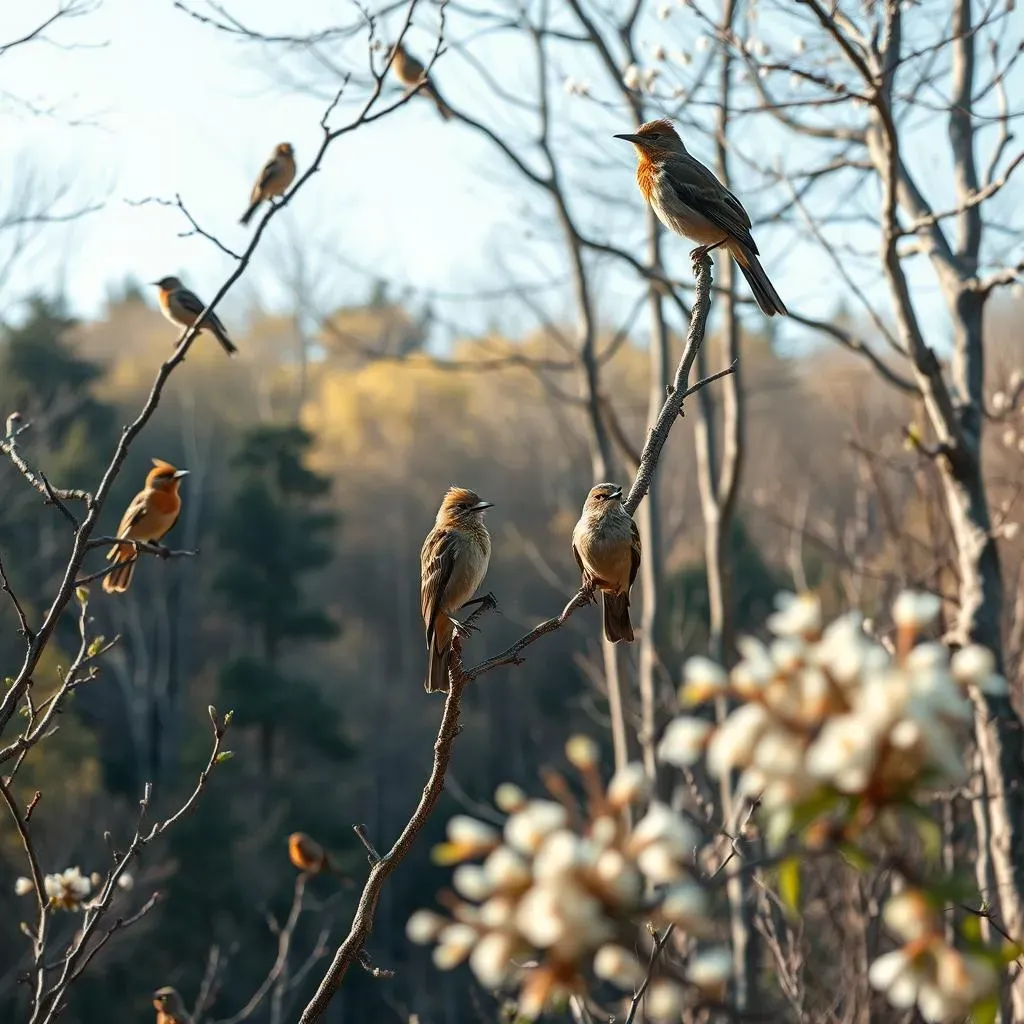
x: 410, y: 72
x: 182, y: 307
x: 689, y: 200
x: 169, y: 1007
x: 277, y: 175
x: 152, y: 512
x: 453, y: 563
x: 606, y: 544
x: 307, y: 854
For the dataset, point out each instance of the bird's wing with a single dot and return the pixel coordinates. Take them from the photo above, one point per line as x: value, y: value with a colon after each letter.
x: 700, y: 190
x: 437, y: 560
x: 134, y: 513
x: 271, y: 169
x: 191, y: 303
x: 635, y: 553
x: 579, y: 561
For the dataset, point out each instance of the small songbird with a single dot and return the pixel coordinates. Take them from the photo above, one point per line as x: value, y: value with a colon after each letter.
x: 307, y: 854
x: 689, y: 200
x: 606, y: 544
x: 453, y: 563
x: 152, y: 512
x: 182, y: 307
x: 169, y: 1007
x: 410, y: 72
x: 277, y: 175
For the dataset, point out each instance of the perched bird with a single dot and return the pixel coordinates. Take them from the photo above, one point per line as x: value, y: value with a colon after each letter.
x: 152, y: 512
x: 182, y: 307
x: 169, y: 1007
x: 606, y: 544
x: 277, y: 174
x: 453, y: 563
x: 307, y: 854
x: 689, y: 200
x: 410, y: 72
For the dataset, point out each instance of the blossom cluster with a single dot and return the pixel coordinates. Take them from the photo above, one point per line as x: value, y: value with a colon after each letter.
x: 561, y: 893
x: 945, y: 983
x: 833, y: 719
x: 69, y: 889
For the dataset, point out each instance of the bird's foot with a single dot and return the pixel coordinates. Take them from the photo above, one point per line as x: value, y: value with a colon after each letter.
x: 463, y: 630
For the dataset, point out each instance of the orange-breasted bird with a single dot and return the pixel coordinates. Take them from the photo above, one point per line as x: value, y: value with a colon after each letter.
x: 410, y: 72
x: 277, y: 175
x: 182, y: 307
x: 606, y: 544
x: 152, y: 512
x: 169, y: 1007
x: 689, y: 200
x: 453, y: 563
x: 307, y: 854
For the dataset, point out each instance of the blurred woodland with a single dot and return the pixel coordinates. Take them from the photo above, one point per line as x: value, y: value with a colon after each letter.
x: 831, y: 462
x: 308, y: 512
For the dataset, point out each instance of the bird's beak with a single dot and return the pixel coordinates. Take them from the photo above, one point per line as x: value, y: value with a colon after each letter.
x: 155, y: 283
x: 617, y: 493
x: 635, y: 139
x: 178, y: 474
x: 481, y: 505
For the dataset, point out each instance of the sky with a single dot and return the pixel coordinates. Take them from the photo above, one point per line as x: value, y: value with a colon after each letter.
x: 151, y: 103
x: 146, y: 102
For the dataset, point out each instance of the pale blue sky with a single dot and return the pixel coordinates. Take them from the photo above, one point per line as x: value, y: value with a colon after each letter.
x: 170, y: 106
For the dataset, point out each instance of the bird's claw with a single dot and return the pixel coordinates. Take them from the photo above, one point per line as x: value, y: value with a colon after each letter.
x: 463, y: 630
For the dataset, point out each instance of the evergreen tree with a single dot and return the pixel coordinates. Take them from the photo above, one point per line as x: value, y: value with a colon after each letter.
x: 274, y: 535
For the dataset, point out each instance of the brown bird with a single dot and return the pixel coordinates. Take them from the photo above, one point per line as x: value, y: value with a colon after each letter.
x: 453, y: 563
x: 169, y: 1007
x: 410, y: 72
x: 606, y: 544
x: 307, y: 854
x: 152, y: 512
x: 277, y: 175
x: 182, y: 307
x: 689, y: 200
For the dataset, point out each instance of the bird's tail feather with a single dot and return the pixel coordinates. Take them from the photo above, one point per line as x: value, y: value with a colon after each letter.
x: 437, y: 668
x: 118, y: 580
x: 442, y: 108
x: 616, y: 618
x: 764, y: 291
x: 225, y: 342
x: 248, y: 215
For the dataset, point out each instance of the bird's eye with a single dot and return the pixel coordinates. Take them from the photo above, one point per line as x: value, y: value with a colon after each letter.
x: 463, y: 506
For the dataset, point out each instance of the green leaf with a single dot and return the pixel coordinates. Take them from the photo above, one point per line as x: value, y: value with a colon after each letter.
x: 224, y: 755
x: 928, y: 830
x: 986, y: 1011
x: 82, y: 593
x: 789, y: 884
x: 855, y: 857
x: 971, y: 928
x: 96, y: 646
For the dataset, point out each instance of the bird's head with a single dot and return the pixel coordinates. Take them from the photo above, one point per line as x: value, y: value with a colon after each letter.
x: 168, y: 1000
x: 655, y: 140
x: 285, y: 149
x: 164, y: 477
x: 167, y: 284
x: 602, y: 499
x: 461, y: 505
